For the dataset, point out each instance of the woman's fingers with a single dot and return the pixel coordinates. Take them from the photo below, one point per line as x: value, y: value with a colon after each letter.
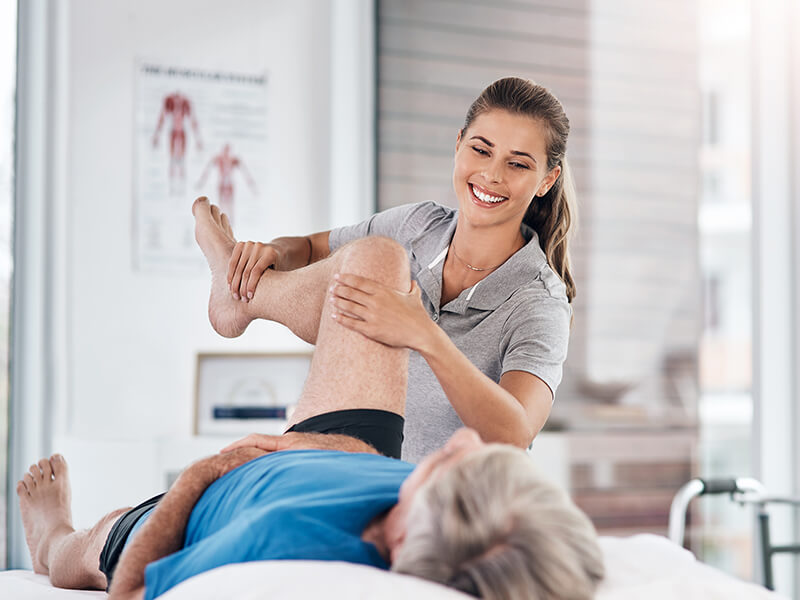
x: 350, y: 308
x: 246, y: 266
x: 234, y: 260
x: 350, y: 293
x: 241, y: 254
x: 352, y: 323
x: 370, y: 286
x: 252, y: 259
x: 262, y: 264
x: 236, y: 280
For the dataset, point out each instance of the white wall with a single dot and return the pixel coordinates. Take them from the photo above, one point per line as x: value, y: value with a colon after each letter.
x: 119, y: 346
x: 133, y: 336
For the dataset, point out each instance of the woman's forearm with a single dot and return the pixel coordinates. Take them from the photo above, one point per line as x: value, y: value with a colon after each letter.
x: 297, y: 252
x: 479, y: 402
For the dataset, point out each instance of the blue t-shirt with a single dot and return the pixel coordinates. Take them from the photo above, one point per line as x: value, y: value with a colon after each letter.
x: 299, y: 504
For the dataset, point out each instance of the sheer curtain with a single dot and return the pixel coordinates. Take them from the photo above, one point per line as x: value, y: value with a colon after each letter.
x: 8, y: 60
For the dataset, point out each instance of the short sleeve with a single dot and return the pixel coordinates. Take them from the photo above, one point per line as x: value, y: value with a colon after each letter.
x: 536, y: 335
x: 399, y: 223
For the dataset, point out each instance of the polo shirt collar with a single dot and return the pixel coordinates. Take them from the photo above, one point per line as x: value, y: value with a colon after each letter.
x: 430, y: 249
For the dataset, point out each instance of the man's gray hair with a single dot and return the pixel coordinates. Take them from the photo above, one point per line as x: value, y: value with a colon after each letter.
x: 490, y: 526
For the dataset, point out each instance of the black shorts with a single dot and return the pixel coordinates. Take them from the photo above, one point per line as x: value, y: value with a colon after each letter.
x: 118, y: 536
x: 381, y: 429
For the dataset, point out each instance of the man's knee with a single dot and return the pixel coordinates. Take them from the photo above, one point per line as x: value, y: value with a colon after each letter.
x: 378, y: 258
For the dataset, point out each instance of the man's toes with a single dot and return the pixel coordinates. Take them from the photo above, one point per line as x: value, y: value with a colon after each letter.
x: 215, y: 214
x: 47, y: 470
x: 59, y: 465
x: 21, y: 488
x: 201, y: 201
x: 226, y: 225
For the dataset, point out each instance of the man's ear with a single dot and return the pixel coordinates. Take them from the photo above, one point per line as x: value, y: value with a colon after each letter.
x: 396, y: 547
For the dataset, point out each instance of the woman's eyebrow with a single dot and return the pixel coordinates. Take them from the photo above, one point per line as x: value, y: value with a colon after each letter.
x: 491, y: 145
x: 483, y: 139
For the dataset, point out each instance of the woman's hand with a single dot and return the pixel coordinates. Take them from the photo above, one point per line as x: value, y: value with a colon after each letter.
x: 380, y: 312
x: 246, y: 266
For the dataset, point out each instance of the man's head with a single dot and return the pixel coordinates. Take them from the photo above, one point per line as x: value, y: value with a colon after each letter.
x: 481, y: 520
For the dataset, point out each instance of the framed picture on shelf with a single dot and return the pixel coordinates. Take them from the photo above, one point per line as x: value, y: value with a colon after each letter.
x: 242, y: 393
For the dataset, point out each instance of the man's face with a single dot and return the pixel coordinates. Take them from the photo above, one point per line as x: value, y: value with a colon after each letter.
x: 460, y: 445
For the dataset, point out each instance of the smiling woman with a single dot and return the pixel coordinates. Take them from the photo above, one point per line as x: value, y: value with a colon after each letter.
x: 488, y: 314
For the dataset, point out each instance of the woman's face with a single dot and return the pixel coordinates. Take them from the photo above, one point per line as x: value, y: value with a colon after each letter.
x: 500, y: 165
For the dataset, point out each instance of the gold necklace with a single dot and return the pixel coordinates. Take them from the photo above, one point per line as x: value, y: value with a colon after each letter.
x: 469, y: 266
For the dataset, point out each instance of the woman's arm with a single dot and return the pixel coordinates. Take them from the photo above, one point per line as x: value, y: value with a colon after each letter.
x: 511, y: 412
x: 164, y: 531
x: 250, y: 259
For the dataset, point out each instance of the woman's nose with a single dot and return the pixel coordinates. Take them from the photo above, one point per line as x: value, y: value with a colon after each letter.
x: 493, y: 172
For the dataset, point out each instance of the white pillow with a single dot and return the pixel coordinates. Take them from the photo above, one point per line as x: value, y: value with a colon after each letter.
x: 298, y: 579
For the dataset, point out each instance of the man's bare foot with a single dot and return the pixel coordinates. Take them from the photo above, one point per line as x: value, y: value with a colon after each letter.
x: 44, y: 501
x: 212, y: 231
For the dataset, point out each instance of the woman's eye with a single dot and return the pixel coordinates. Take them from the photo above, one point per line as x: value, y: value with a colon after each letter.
x: 517, y: 165
x: 480, y: 151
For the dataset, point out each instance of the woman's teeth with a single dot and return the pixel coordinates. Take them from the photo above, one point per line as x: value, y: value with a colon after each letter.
x: 486, y: 197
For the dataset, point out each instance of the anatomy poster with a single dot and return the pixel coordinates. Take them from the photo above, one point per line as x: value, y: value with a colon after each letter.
x: 197, y: 133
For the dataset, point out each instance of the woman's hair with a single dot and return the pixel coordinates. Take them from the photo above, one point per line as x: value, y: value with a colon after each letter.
x: 491, y: 527
x: 554, y: 215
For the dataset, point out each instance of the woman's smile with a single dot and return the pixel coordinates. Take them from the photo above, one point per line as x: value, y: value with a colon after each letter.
x: 483, y: 197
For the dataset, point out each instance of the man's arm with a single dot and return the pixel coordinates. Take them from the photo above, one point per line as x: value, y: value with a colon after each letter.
x: 301, y: 441
x: 164, y: 531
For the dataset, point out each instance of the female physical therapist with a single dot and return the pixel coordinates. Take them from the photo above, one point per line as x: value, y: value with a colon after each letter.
x: 488, y: 316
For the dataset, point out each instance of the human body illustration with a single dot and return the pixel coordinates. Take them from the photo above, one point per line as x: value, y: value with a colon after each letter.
x: 178, y: 108
x: 226, y: 163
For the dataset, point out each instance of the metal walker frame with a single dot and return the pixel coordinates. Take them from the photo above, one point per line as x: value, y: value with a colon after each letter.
x: 743, y: 490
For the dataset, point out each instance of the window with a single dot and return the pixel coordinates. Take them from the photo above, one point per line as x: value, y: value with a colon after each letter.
x: 8, y: 57
x: 725, y: 535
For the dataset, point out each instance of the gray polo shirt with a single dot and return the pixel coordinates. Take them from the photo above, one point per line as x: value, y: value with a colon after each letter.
x: 515, y: 319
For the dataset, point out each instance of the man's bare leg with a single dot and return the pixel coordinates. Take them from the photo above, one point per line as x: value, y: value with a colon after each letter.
x: 348, y: 370
x: 293, y: 298
x: 71, y: 558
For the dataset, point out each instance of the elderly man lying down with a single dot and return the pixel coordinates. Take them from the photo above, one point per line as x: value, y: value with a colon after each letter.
x: 471, y: 516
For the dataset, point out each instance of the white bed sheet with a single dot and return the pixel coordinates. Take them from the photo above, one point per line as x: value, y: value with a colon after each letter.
x: 641, y: 566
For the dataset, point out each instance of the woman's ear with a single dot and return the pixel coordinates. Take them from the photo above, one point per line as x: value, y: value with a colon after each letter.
x: 549, y: 180
x: 458, y: 139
